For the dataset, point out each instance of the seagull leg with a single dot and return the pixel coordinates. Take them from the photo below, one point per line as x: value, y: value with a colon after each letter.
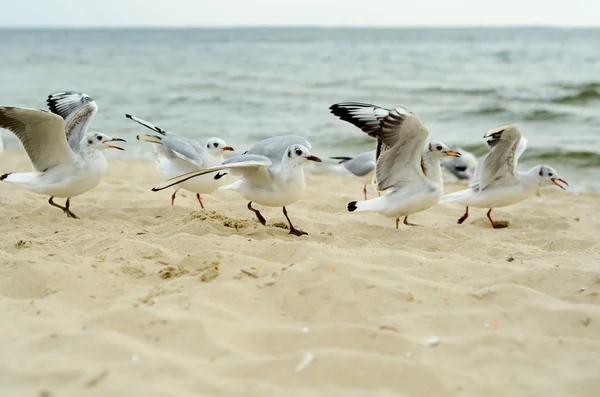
x: 465, y: 216
x: 365, y: 191
x: 293, y: 230
x: 261, y: 219
x: 68, y: 211
x: 65, y: 209
x: 397, y: 222
x: 199, y: 200
x: 407, y: 223
x: 173, y: 197
x: 497, y: 225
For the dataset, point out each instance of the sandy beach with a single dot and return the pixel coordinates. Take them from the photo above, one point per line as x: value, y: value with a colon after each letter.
x: 138, y: 298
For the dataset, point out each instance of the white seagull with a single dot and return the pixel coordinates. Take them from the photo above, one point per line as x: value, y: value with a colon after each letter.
x: 271, y: 174
x: 496, y: 182
x: 66, y: 159
x: 361, y: 166
x: 407, y: 168
x: 176, y: 155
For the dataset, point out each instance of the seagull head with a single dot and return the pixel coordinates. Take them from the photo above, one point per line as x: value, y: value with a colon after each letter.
x: 299, y: 154
x: 217, y: 146
x: 440, y: 150
x: 548, y: 176
x: 100, y: 141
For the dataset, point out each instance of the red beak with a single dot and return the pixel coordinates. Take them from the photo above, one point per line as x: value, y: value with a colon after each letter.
x: 559, y: 180
x: 313, y: 158
x: 228, y: 148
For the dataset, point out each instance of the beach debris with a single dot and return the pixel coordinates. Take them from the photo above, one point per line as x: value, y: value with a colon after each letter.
x: 510, y: 259
x: 96, y: 379
x: 388, y: 328
x: 305, y: 362
x: 249, y: 273
x: 332, y: 269
x: 582, y: 289
x: 432, y: 341
x: 494, y: 325
x: 586, y: 321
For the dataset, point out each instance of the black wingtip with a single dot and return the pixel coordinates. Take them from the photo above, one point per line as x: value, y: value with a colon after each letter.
x: 352, y: 206
x: 219, y: 175
x: 4, y: 176
x: 341, y: 159
x: 127, y: 116
x: 155, y: 189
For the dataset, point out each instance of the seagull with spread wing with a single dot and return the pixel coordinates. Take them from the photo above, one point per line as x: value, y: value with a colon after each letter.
x: 66, y: 158
x: 271, y: 174
x: 496, y: 181
x: 407, y: 167
x: 176, y: 155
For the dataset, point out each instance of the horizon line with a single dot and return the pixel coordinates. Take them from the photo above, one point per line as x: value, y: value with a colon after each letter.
x: 308, y: 26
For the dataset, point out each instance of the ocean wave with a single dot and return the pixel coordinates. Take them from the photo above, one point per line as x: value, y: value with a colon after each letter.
x: 457, y: 91
x: 525, y: 115
x: 580, y: 94
x: 575, y: 159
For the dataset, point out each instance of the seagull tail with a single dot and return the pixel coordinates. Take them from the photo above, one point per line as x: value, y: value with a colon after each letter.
x: 19, y: 178
x: 358, y: 206
x: 150, y: 138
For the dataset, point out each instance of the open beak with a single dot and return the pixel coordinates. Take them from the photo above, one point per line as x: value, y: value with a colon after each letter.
x: 228, y: 148
x: 452, y: 153
x: 313, y: 158
x: 559, y: 180
x: 115, y: 140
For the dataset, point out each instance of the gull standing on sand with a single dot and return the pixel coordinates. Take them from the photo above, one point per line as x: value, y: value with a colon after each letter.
x: 66, y: 159
x: 271, y: 174
x: 361, y: 166
x: 176, y: 155
x: 496, y: 182
x: 407, y: 168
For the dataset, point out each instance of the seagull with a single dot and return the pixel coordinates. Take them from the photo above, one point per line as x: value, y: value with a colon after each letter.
x: 496, y: 182
x: 408, y: 168
x: 271, y: 174
x: 463, y: 167
x: 66, y: 159
x: 176, y: 155
x: 361, y: 166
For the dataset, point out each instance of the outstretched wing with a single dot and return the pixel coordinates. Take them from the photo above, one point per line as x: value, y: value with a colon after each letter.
x: 499, y: 165
x: 78, y: 111
x: 250, y: 166
x: 181, y: 147
x: 400, y: 140
x: 41, y: 133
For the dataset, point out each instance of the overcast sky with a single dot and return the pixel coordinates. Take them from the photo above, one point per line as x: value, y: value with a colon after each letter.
x: 298, y: 12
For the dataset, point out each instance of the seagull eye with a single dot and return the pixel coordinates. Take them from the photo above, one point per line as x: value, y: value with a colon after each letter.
x: 439, y: 147
x: 298, y: 152
x: 550, y: 174
x: 99, y: 138
x: 215, y: 144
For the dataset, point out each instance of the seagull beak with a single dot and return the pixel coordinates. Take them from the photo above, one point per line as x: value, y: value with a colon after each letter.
x: 228, y: 148
x: 559, y: 180
x: 452, y: 153
x: 313, y: 158
x: 115, y: 140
